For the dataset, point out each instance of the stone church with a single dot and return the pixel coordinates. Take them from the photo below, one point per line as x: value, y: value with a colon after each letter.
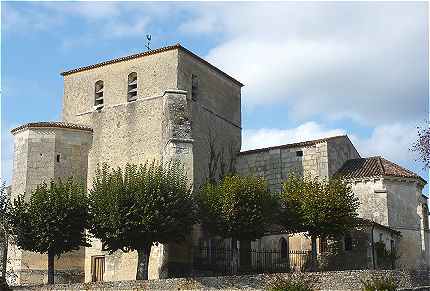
x: 169, y: 103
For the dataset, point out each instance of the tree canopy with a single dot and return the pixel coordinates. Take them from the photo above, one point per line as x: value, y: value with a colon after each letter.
x: 3, y: 234
x: 143, y: 204
x: 241, y: 207
x: 319, y: 207
x: 52, y: 220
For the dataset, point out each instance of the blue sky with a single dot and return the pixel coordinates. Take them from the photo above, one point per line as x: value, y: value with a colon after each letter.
x: 310, y: 69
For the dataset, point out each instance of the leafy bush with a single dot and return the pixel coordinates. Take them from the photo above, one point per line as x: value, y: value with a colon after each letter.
x: 289, y: 284
x: 380, y: 284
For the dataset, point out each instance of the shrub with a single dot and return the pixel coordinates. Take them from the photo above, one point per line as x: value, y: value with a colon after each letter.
x: 380, y: 284
x: 290, y: 284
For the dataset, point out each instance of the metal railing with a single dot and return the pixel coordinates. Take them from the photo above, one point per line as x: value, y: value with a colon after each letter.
x: 224, y: 261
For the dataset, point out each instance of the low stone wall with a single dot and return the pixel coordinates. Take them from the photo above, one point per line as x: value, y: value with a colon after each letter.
x: 41, y: 276
x: 342, y: 280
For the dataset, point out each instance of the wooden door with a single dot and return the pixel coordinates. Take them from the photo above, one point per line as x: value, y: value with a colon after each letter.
x: 97, y: 268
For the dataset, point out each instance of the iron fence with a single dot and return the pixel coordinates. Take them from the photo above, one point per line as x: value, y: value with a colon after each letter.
x: 224, y: 261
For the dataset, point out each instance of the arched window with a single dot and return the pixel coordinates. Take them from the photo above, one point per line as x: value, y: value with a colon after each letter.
x: 283, y: 245
x: 98, y: 94
x: 132, y: 87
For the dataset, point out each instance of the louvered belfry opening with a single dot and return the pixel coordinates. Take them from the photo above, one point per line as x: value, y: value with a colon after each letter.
x: 98, y: 98
x: 132, y: 87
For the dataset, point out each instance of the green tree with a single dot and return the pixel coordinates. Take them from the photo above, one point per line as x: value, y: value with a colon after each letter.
x: 237, y: 207
x: 52, y: 220
x: 134, y: 208
x: 320, y: 207
x: 3, y: 234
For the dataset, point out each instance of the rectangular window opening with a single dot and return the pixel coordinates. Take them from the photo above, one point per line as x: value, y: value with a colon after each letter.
x: 299, y: 153
x: 194, y: 87
x: 58, y: 158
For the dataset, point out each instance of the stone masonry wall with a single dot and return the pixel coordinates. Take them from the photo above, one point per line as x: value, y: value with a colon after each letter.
x: 215, y: 110
x: 42, y: 154
x: 178, y: 146
x: 404, y: 214
x: 373, y: 199
x: 343, y: 280
x: 275, y: 164
x: 340, y: 150
x: 136, y: 131
x: 155, y: 74
x: 126, y: 133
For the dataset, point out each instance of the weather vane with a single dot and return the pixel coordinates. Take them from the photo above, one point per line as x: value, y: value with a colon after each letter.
x: 148, y: 42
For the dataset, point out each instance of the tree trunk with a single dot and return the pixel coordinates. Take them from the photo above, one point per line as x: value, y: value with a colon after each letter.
x: 51, y: 257
x: 245, y: 255
x: 314, y: 253
x: 234, y: 256
x: 4, y: 256
x: 143, y: 262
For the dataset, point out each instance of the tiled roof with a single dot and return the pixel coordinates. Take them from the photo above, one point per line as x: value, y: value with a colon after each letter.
x: 366, y: 222
x: 151, y: 52
x: 47, y: 124
x: 279, y: 229
x: 374, y: 167
x: 292, y: 145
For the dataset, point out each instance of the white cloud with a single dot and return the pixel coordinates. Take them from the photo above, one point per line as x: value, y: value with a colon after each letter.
x: 200, y: 25
x: 18, y: 19
x: 266, y: 137
x: 363, y: 61
x: 102, y: 19
x: 391, y: 141
x: 128, y: 29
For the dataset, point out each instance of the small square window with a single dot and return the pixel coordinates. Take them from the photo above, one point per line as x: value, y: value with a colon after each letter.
x: 299, y: 153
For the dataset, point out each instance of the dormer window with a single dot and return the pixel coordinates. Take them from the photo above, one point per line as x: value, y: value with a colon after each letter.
x: 194, y: 87
x: 98, y: 94
x: 132, y: 87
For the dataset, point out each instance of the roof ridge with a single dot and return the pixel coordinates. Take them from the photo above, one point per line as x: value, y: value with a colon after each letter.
x: 147, y: 53
x: 398, y: 166
x: 375, y: 166
x: 300, y: 143
x: 55, y: 124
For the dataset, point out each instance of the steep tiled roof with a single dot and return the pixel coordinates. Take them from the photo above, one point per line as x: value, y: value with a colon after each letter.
x: 374, y: 167
x: 47, y: 124
x: 293, y: 145
x: 152, y: 52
